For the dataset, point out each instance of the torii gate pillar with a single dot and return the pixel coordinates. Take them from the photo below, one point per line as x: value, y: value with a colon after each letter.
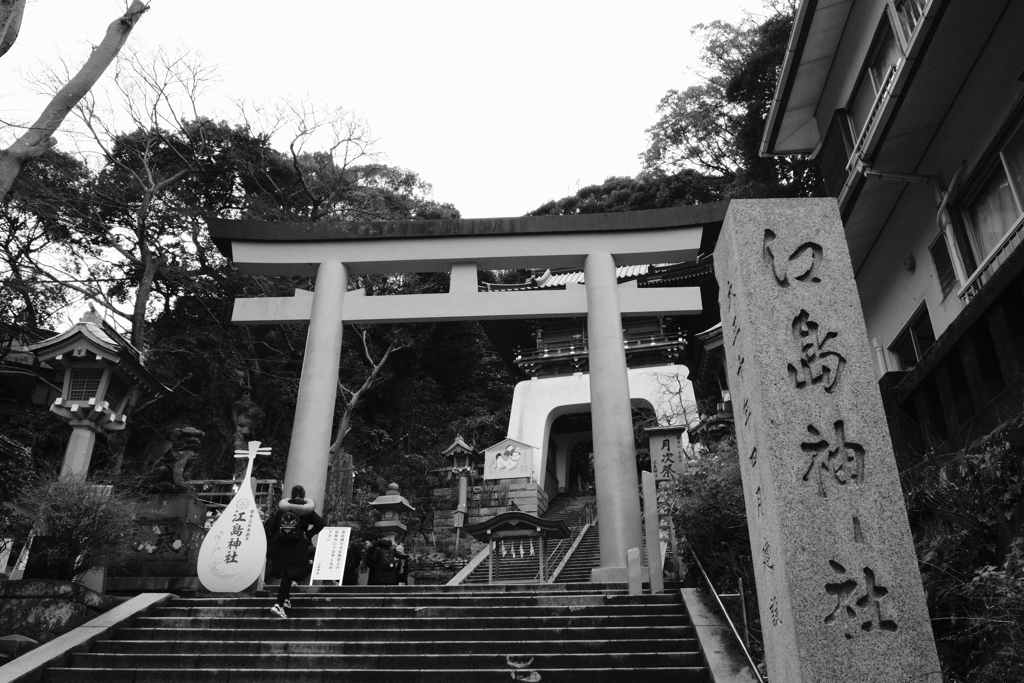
x: 611, y: 416
x: 318, y: 385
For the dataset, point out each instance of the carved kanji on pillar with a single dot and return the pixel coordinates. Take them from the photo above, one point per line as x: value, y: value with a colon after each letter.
x: 834, y: 559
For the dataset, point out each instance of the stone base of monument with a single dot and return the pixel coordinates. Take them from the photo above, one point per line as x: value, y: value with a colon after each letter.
x: 617, y: 575
x: 166, y: 545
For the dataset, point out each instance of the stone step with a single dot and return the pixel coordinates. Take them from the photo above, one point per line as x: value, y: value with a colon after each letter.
x: 305, y: 633
x: 409, y: 623
x: 441, y: 646
x: 393, y: 659
x: 576, y: 633
x: 605, y: 588
x: 429, y: 600
x: 520, y: 670
x: 509, y: 612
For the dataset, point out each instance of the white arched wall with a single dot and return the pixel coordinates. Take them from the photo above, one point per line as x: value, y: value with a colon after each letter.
x: 538, y: 402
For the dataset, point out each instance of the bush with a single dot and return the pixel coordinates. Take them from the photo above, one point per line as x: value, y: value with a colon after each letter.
x: 965, y: 509
x: 87, y: 526
x: 709, y: 512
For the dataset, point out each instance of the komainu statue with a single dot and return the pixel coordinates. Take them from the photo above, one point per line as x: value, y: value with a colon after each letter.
x: 247, y: 417
x: 168, y: 475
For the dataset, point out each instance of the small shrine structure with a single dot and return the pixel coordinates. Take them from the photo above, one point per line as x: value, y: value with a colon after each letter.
x: 517, y: 526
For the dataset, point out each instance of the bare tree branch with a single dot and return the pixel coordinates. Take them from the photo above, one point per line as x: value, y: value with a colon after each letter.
x: 11, y: 12
x: 39, y: 137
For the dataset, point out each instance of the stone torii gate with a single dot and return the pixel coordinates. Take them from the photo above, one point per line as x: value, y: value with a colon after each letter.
x: 597, y: 243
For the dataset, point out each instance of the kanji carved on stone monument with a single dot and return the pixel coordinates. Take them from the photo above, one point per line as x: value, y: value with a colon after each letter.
x: 766, y: 555
x: 810, y: 273
x: 773, y: 609
x: 817, y: 365
x: 868, y: 612
x: 838, y: 460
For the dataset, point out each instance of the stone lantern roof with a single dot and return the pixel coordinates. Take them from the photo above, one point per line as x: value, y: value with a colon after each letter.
x: 392, y: 500
x: 392, y: 506
x: 93, y: 339
x: 460, y: 446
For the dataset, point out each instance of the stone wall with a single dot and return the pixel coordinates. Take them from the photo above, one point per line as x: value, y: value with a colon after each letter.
x: 44, y: 609
x: 520, y: 494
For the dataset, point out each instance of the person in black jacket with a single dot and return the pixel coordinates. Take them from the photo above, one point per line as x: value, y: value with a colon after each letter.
x: 290, y: 530
x: 385, y: 563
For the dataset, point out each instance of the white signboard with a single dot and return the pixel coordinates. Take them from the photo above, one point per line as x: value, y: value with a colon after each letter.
x: 235, y: 548
x: 668, y: 456
x: 331, y: 551
x: 508, y: 459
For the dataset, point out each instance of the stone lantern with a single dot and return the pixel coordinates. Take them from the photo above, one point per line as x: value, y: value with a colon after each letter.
x: 394, y: 511
x: 101, y: 372
x: 464, y: 461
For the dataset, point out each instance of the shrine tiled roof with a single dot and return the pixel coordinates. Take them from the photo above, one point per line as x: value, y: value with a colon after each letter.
x: 649, y: 275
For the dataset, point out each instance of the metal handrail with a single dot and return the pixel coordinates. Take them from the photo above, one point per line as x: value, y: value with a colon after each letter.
x: 728, y: 620
x: 568, y: 555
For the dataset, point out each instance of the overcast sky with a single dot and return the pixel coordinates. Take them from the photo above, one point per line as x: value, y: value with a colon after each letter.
x: 501, y: 106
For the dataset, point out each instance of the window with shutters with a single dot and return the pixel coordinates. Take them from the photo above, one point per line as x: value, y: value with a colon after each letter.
x: 943, y: 265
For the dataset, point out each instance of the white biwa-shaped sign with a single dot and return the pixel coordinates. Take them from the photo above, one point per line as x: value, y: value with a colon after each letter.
x: 235, y: 548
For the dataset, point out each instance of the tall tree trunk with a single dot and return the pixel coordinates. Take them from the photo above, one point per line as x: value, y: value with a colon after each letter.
x: 346, y: 471
x: 39, y: 137
x: 340, y: 468
x: 10, y: 23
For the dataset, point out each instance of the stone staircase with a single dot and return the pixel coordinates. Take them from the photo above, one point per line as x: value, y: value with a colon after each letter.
x: 568, y: 508
x: 591, y: 633
x: 586, y: 556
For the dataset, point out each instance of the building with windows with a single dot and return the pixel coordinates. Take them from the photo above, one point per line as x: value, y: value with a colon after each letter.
x: 915, y: 111
x: 551, y: 406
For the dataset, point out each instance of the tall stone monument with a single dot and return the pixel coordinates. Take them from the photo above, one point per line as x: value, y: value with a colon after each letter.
x: 837, y: 578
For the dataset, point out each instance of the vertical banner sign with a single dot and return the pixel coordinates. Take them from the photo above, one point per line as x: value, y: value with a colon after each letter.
x: 668, y: 459
x: 838, y: 583
x: 331, y: 551
x: 235, y: 548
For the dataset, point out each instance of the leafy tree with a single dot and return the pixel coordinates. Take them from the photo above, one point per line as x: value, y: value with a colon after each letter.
x: 38, y: 217
x: 967, y: 512
x: 715, y: 127
x: 705, y: 144
x: 646, y: 191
